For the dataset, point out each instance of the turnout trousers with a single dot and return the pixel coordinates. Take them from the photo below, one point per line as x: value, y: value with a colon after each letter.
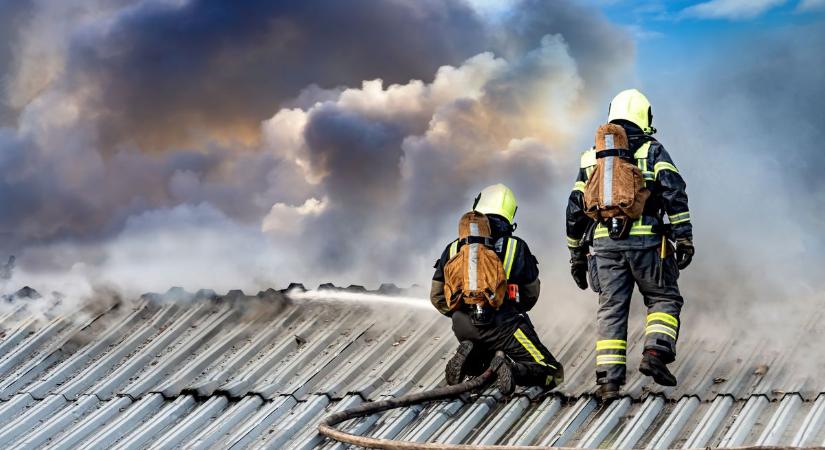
x: 613, y: 274
x: 512, y: 333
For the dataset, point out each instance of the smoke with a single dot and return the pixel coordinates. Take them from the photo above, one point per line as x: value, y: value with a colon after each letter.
x: 744, y: 126
x: 205, y: 144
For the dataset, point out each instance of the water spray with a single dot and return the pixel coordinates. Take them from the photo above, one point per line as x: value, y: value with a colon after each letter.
x: 330, y: 295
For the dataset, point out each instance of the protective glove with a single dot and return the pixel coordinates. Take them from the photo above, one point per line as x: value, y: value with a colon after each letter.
x: 578, y: 267
x: 684, y: 252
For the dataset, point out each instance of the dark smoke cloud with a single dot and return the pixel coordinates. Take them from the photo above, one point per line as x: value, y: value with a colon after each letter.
x: 348, y: 133
x: 14, y: 12
x: 221, y: 67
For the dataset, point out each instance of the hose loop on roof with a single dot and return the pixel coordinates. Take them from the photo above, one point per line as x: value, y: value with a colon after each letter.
x: 327, y: 426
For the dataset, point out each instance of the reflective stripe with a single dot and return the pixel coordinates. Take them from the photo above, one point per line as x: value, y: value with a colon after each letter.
x: 662, y: 329
x: 642, y: 151
x: 472, y: 267
x: 635, y: 230
x: 679, y: 218
x: 648, y: 176
x: 453, y: 249
x: 579, y: 186
x: 611, y: 344
x: 575, y: 243
x: 531, y: 349
x: 663, y: 317
x: 603, y: 360
x: 607, y: 182
x: 641, y: 230
x: 509, y: 256
x: 662, y: 165
x: 608, y: 141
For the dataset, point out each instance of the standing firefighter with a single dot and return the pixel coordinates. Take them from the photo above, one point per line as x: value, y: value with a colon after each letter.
x: 486, y: 281
x: 625, y: 187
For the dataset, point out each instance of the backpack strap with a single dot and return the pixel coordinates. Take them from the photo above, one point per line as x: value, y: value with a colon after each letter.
x: 509, y: 255
x: 475, y: 240
x: 453, y: 248
x: 621, y: 153
x: 641, y: 156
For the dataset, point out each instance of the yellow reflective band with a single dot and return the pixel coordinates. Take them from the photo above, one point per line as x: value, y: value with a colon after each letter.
x: 662, y: 329
x: 531, y: 349
x: 603, y: 360
x: 649, y: 176
x: 660, y: 166
x: 579, y: 186
x: 573, y: 242
x: 679, y: 218
x: 611, y: 344
x: 663, y: 317
x: 642, y: 151
x: 509, y: 256
x: 643, y: 230
x: 635, y: 230
x: 453, y: 248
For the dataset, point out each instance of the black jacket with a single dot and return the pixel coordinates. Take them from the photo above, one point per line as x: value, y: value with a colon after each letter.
x: 667, y: 197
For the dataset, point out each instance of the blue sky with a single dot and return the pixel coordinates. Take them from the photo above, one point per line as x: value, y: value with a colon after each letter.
x: 671, y: 35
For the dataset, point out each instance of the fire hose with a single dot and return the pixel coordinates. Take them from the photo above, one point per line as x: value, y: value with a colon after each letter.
x: 327, y: 426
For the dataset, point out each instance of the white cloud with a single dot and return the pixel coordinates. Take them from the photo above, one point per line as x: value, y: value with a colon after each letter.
x: 286, y: 220
x: 731, y: 9
x: 810, y: 5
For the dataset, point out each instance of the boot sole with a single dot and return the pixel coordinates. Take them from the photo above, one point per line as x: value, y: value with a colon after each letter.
x: 648, y: 371
x: 455, y: 366
x: 504, y: 376
x: 609, y: 397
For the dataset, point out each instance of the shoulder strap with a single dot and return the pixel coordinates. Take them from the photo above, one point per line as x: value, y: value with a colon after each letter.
x: 509, y: 256
x: 642, y: 151
x: 453, y: 248
x: 641, y: 155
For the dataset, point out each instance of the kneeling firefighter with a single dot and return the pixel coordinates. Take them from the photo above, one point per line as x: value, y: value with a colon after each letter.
x: 626, y: 185
x: 486, y: 281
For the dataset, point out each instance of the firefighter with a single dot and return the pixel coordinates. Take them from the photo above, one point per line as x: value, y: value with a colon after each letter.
x: 505, y: 339
x: 643, y: 258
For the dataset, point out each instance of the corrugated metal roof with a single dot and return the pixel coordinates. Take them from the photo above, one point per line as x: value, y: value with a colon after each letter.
x: 201, y: 371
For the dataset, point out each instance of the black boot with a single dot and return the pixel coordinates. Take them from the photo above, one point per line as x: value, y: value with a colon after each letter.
x: 505, y: 381
x: 609, y: 391
x: 456, y: 366
x: 653, y: 366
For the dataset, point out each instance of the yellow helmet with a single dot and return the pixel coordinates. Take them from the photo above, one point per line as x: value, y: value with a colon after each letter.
x: 633, y: 106
x: 497, y: 199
